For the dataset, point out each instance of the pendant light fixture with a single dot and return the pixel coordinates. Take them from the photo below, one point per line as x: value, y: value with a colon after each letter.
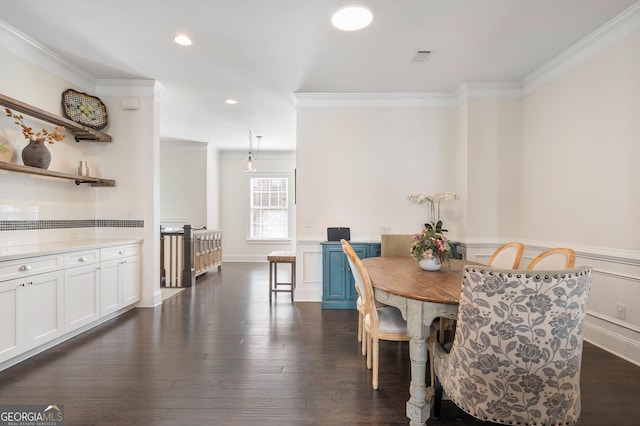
x: 250, y: 162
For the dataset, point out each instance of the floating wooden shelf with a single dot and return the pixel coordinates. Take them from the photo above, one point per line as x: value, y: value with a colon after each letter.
x: 94, y: 181
x: 80, y: 131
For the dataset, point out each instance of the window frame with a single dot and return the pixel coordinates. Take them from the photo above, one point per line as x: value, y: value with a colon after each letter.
x: 267, y: 175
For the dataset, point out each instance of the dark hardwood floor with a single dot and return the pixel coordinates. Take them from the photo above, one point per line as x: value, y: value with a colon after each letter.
x: 220, y: 354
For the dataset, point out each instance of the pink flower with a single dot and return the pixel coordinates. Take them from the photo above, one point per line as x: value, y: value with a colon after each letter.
x: 428, y: 254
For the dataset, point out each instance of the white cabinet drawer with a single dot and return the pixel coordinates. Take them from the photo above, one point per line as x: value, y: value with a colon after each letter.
x: 80, y: 258
x: 117, y: 252
x: 18, y: 268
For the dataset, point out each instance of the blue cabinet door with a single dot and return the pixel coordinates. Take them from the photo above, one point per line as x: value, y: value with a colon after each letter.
x: 338, y: 286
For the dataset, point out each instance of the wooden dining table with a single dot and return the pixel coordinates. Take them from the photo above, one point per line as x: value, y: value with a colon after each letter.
x: 422, y: 297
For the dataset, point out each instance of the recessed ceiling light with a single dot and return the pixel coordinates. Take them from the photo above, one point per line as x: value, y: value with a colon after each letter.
x: 231, y: 101
x: 352, y: 18
x: 182, y: 40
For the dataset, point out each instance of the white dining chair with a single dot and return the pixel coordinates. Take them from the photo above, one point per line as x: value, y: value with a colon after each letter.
x: 380, y: 323
x: 362, y: 334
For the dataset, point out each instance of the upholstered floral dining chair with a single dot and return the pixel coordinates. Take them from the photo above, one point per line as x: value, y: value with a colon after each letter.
x: 517, y: 350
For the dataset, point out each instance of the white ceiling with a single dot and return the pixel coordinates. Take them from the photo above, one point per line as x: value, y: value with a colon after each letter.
x: 261, y: 52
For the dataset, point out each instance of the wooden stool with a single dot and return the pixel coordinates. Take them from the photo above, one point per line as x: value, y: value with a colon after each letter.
x: 274, y: 258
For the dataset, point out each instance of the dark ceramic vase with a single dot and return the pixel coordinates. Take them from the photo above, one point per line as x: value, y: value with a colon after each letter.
x: 36, y: 154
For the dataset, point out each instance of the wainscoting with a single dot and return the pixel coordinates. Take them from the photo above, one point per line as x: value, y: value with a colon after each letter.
x: 615, y: 280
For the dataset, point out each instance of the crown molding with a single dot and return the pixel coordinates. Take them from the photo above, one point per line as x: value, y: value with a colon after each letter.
x: 31, y: 51
x: 488, y: 90
x: 617, y: 29
x: 374, y: 100
x: 135, y: 88
x: 466, y: 91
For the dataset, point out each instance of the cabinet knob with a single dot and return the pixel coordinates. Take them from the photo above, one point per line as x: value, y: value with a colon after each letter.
x: 24, y: 268
x: 82, y: 259
x: 122, y: 252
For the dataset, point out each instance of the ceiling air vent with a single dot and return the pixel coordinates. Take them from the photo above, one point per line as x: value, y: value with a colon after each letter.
x: 422, y: 55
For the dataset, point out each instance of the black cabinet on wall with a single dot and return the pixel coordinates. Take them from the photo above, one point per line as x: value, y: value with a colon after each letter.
x: 338, y: 287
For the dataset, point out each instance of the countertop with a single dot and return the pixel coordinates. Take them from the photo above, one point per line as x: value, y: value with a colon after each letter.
x: 43, y: 249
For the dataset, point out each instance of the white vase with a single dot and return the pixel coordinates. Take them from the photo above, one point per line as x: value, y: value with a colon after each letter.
x: 430, y: 264
x: 83, y: 169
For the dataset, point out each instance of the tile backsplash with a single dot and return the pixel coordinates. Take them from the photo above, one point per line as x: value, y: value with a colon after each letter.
x: 28, y: 224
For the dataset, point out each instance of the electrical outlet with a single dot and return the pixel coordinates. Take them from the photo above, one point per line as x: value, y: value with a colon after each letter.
x: 622, y: 311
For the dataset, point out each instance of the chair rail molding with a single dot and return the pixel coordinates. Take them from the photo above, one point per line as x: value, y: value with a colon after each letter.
x: 485, y: 246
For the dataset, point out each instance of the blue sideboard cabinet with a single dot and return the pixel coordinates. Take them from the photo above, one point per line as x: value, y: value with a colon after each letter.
x: 338, y: 287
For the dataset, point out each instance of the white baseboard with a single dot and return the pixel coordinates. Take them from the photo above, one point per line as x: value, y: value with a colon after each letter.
x: 617, y: 344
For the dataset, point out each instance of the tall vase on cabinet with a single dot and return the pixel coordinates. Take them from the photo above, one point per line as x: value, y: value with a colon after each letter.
x: 36, y: 154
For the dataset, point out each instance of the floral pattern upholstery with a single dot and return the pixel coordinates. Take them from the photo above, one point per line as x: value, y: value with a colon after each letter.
x: 517, y: 349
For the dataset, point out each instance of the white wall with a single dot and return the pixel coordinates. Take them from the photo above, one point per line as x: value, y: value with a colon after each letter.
x: 234, y: 198
x: 493, y: 183
x: 580, y: 138
x: 29, y: 197
x: 133, y: 160
x: 552, y: 165
x: 580, y: 183
x: 357, y: 166
x: 184, y: 181
x: 35, y: 77
x: 213, y: 187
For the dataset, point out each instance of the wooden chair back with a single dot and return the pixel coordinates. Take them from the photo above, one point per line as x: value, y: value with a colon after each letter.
x: 396, y: 244
x: 552, y: 259
x: 363, y: 283
x: 507, y: 256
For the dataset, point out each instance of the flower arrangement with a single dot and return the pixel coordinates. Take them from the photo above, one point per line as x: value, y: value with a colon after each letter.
x: 43, y: 135
x: 431, y: 242
x: 433, y: 202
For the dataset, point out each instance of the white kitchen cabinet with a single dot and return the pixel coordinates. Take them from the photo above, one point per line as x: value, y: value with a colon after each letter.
x: 110, y: 287
x: 31, y: 306
x: 42, y: 298
x: 12, y: 318
x: 81, y: 288
x: 131, y: 280
x: 82, y: 296
x: 120, y: 277
x: 44, y: 308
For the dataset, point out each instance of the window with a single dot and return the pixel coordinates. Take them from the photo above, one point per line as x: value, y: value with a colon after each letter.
x: 269, y: 208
